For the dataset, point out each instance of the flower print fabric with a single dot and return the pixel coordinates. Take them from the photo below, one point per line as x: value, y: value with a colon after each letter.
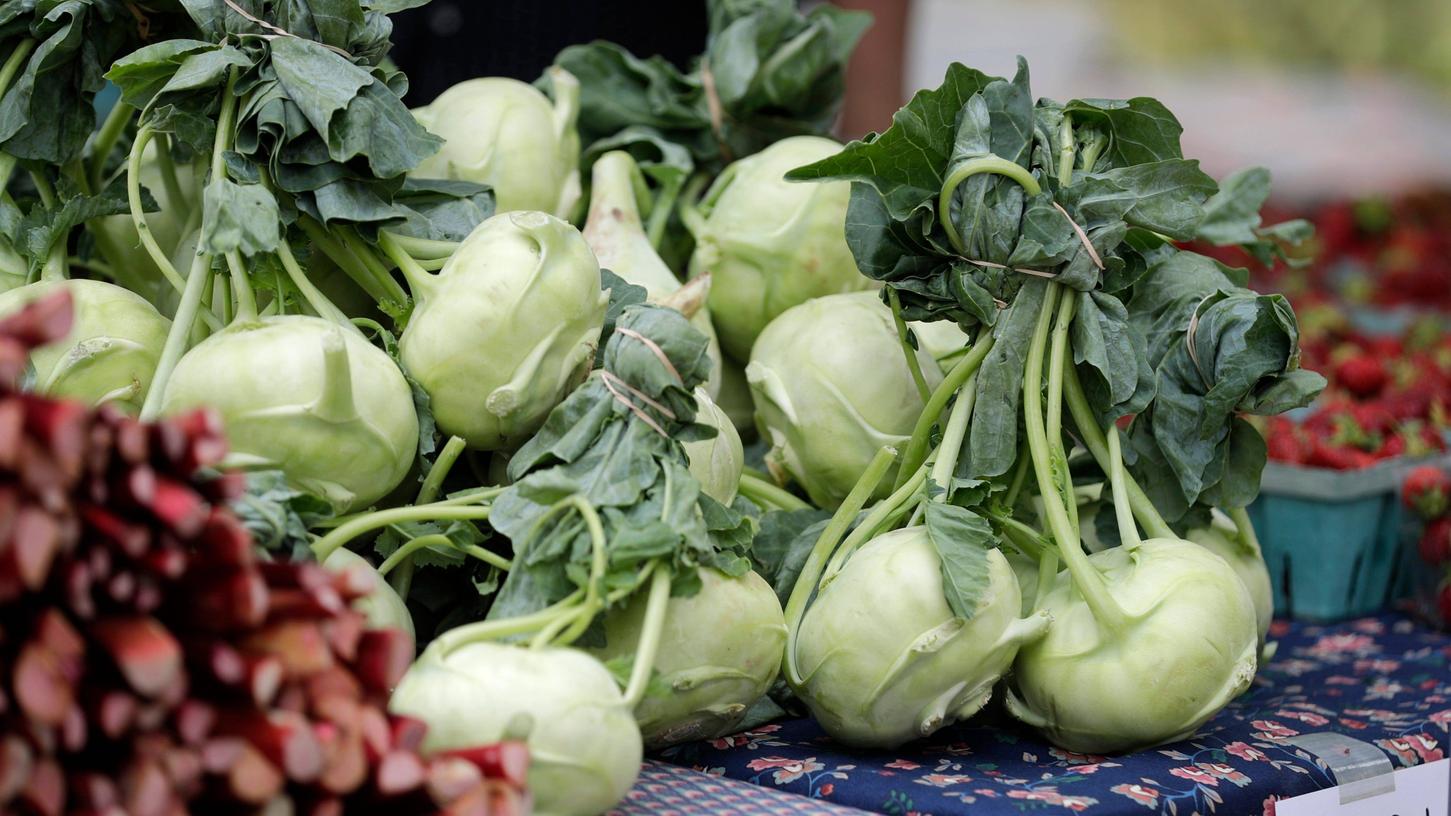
x: 1382, y: 680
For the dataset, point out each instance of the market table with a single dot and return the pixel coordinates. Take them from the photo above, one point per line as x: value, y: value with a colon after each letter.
x: 1384, y: 680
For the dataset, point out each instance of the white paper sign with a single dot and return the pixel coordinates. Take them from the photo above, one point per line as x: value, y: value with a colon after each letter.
x: 1424, y: 790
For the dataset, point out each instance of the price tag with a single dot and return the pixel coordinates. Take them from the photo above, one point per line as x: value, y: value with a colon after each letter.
x: 1424, y: 790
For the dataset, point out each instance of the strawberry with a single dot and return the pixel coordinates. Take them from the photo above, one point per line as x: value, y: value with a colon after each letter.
x: 1284, y: 442
x: 1435, y: 543
x: 1363, y: 375
x: 1327, y: 454
x: 1427, y: 490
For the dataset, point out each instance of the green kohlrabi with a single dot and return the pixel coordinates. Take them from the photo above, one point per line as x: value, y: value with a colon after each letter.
x: 735, y: 398
x: 504, y: 133
x: 768, y: 244
x: 720, y: 650
x: 584, y: 746
x: 111, y: 352
x: 884, y: 659
x: 831, y: 387
x: 615, y: 230
x: 382, y: 606
x: 308, y: 397
x: 1237, y: 545
x: 506, y: 329
x: 717, y: 462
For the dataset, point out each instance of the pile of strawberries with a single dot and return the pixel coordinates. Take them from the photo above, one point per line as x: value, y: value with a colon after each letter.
x: 152, y: 663
x: 1387, y: 396
x: 1427, y: 492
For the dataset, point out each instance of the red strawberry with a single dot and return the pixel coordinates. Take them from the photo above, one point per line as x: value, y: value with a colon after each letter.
x: 1284, y: 442
x: 1435, y: 543
x: 1427, y: 490
x: 1363, y: 375
x: 1327, y: 454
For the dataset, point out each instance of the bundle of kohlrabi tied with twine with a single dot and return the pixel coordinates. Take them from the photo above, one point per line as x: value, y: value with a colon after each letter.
x: 621, y: 563
x: 1048, y: 232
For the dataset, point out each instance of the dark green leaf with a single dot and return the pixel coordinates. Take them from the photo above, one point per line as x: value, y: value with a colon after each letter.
x: 962, y: 539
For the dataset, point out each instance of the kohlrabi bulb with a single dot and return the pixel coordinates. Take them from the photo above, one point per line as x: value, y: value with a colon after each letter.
x: 944, y: 340
x: 735, y: 398
x: 111, y: 351
x: 616, y: 233
x: 382, y: 606
x: 882, y: 658
x: 831, y: 387
x: 719, y: 652
x: 506, y: 329
x: 308, y: 397
x: 1222, y: 538
x: 769, y: 244
x: 1186, y: 649
x: 506, y: 134
x: 717, y: 462
x: 584, y: 746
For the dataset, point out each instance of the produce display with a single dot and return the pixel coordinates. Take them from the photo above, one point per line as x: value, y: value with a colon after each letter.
x: 483, y: 370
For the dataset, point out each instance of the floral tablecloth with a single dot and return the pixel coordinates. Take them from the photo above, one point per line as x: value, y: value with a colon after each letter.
x: 1384, y: 680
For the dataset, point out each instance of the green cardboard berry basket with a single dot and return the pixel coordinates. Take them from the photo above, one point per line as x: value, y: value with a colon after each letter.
x: 1333, y: 540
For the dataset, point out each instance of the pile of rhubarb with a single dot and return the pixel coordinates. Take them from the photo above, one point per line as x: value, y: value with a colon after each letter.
x: 152, y: 662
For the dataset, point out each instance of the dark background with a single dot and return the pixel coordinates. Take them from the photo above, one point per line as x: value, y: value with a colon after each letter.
x: 448, y: 41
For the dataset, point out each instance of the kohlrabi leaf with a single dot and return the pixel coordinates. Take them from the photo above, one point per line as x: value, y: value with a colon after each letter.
x: 961, y: 539
x: 442, y: 210
x: 1234, y: 346
x: 783, y: 541
x: 768, y: 72
x: 41, y: 229
x: 1140, y: 130
x: 278, y: 515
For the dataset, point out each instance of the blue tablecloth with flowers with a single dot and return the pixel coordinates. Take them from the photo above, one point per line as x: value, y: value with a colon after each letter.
x: 1384, y: 680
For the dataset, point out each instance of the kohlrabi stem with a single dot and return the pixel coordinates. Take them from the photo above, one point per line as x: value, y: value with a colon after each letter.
x: 1020, y: 478
x: 1054, y: 424
x: 221, y: 300
x: 197, y: 282
x: 433, y: 482
x: 650, y: 630
x: 111, y: 129
x: 1047, y: 575
x: 916, y: 451
x: 1024, y: 537
x: 1088, y: 157
x: 1085, y: 575
x: 310, y: 293
x: 1097, y: 445
x: 907, y: 351
x: 660, y: 210
x: 419, y: 279
x: 422, y: 249
x: 968, y: 169
x: 763, y: 492
x: 364, y: 252
x: 493, y: 630
x: 175, y: 195
x: 1128, y: 532
x: 1065, y: 150
x: 343, y: 533
x: 413, y: 545
x: 241, y: 288
x: 690, y: 214
x: 816, y: 560
x: 44, y: 189
x: 1245, y: 528
x: 12, y: 64
x: 874, y: 521
x: 953, y: 435
x: 593, y: 600
x: 138, y: 214
x: 350, y: 263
